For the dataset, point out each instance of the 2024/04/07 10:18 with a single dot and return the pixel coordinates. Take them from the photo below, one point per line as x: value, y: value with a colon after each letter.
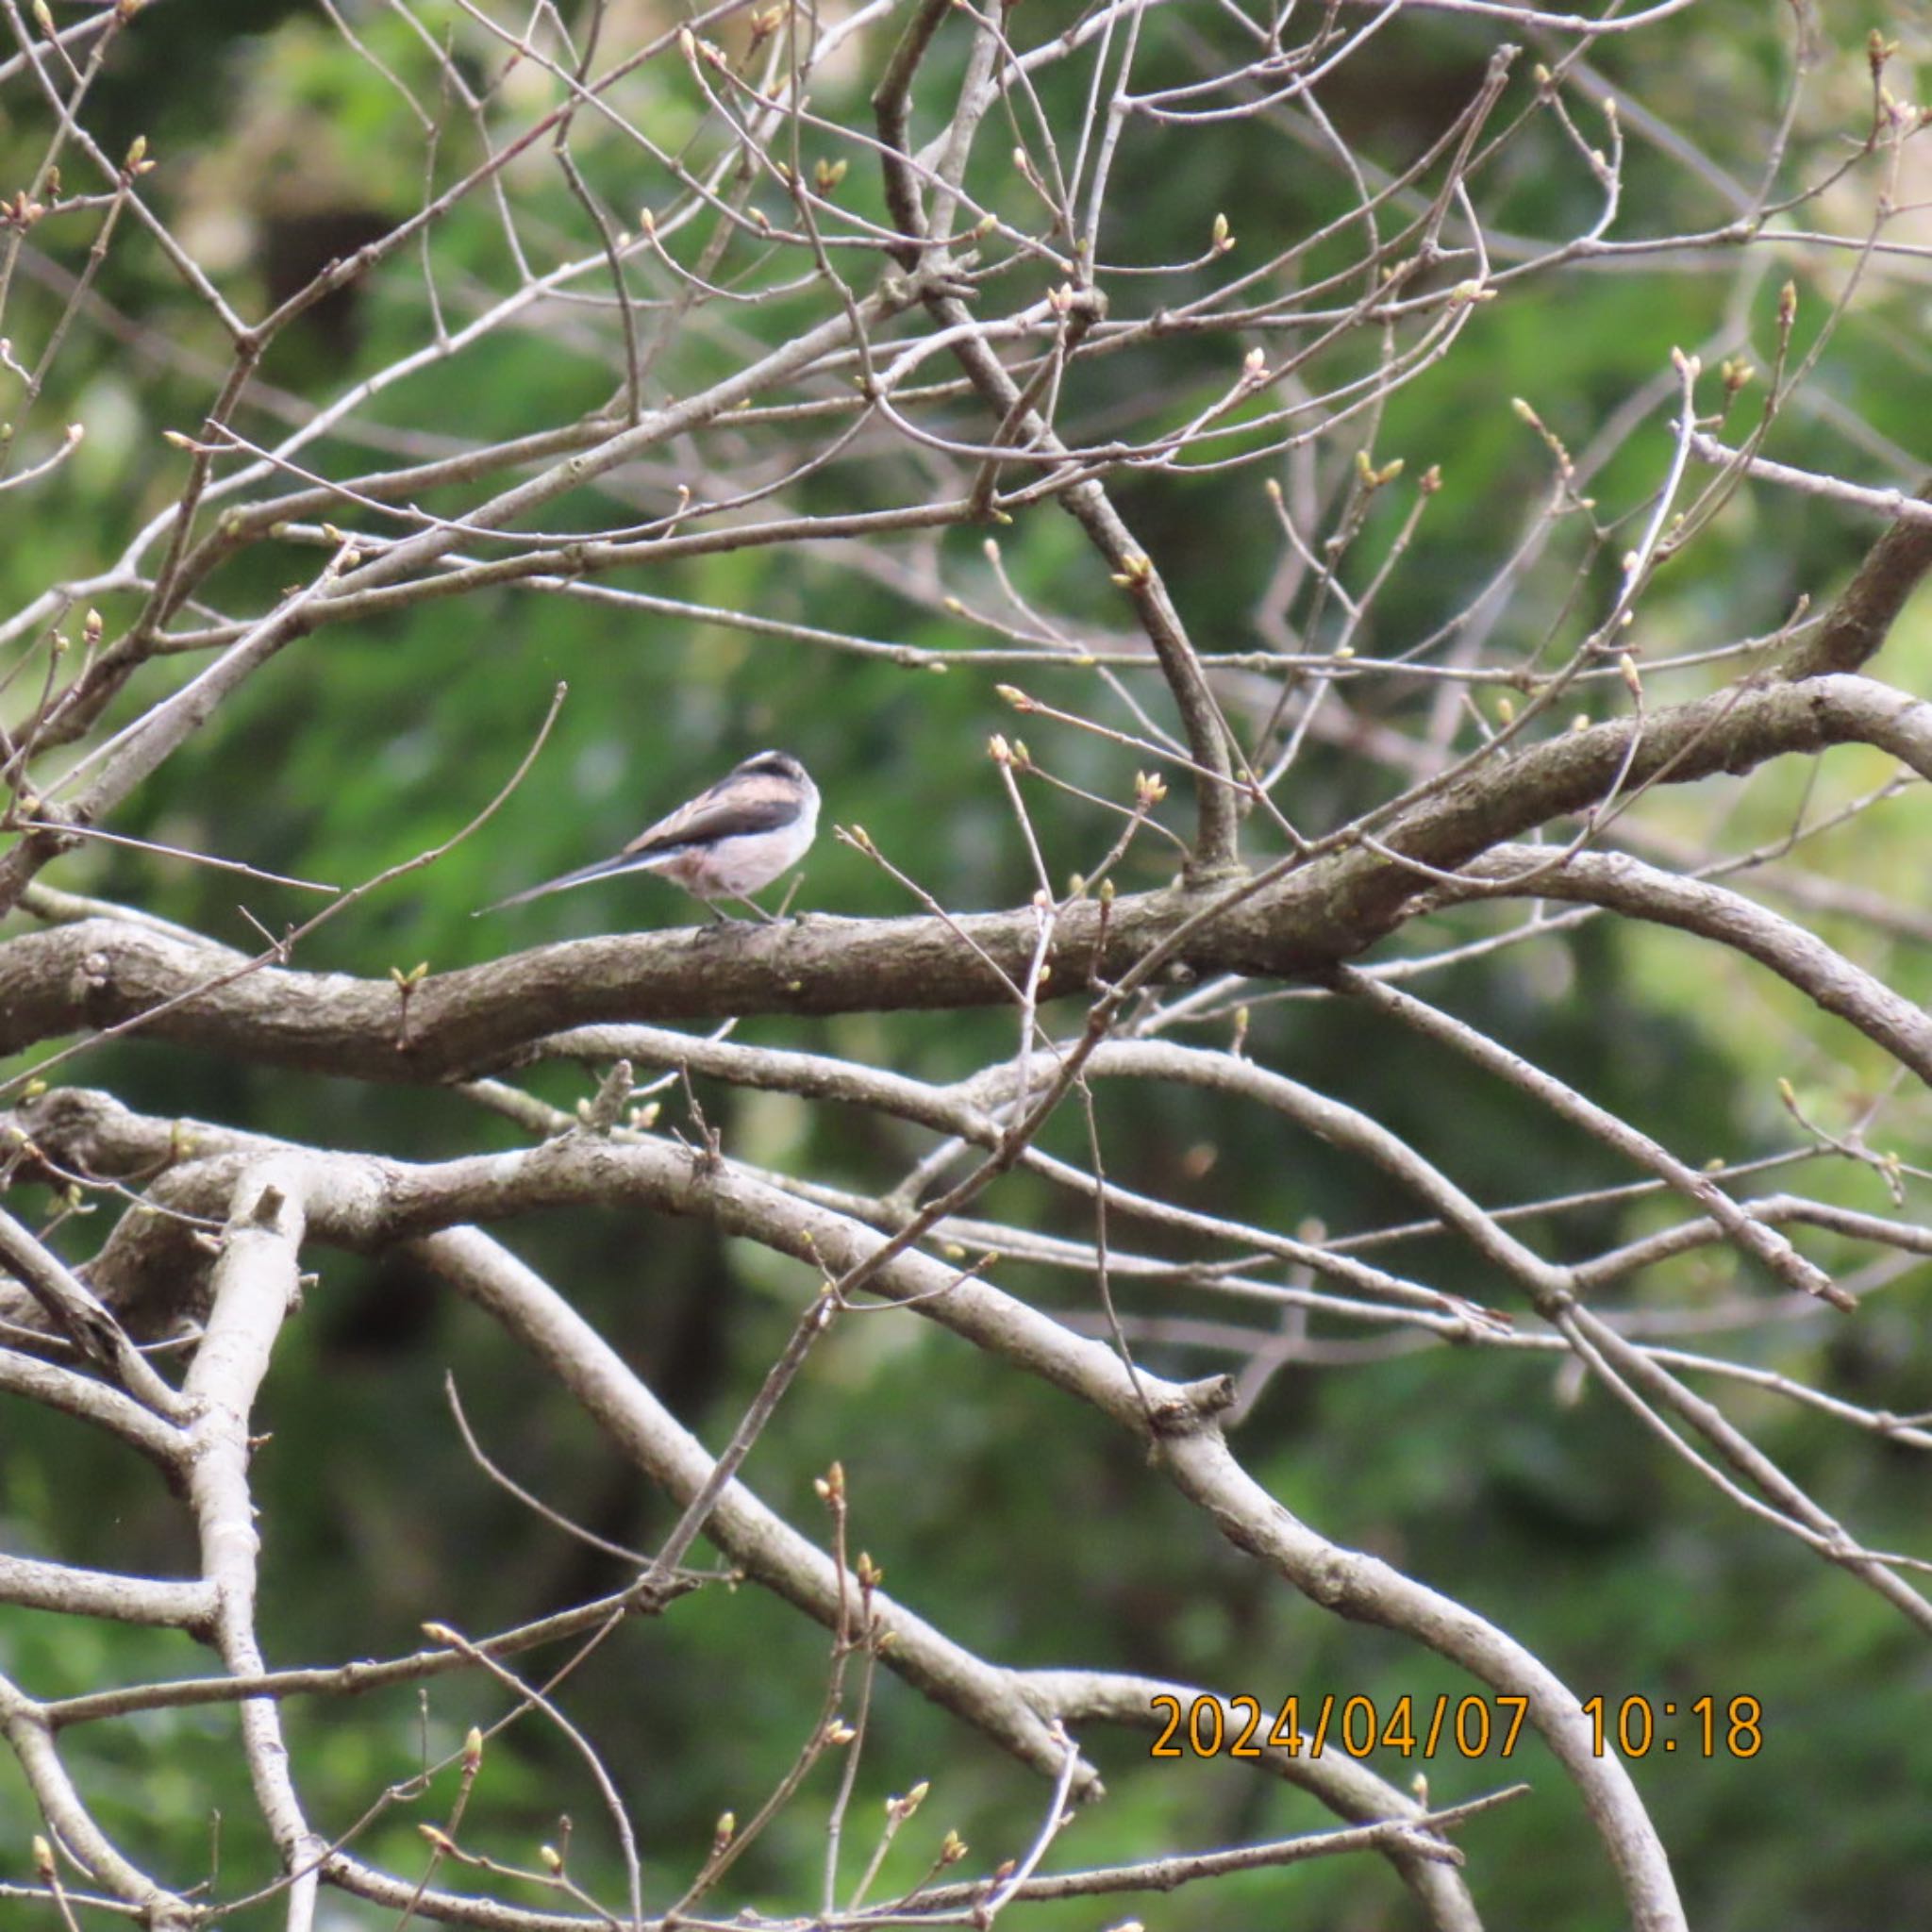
x: 1239, y: 1727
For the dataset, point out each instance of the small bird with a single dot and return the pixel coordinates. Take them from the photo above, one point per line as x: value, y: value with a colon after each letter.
x: 757, y: 821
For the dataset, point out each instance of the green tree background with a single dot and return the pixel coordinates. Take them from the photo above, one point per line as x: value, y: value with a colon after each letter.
x: 1024, y: 1526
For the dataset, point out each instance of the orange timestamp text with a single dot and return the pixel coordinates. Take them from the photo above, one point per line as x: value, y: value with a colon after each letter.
x: 1469, y: 1726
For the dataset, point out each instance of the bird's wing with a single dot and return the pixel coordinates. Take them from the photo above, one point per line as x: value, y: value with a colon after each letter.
x: 751, y: 804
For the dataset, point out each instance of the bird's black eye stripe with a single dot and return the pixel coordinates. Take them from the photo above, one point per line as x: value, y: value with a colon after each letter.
x: 777, y: 764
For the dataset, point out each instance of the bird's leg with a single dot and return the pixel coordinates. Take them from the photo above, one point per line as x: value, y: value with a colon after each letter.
x: 769, y: 918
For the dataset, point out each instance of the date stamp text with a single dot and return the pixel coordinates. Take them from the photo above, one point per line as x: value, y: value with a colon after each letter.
x: 1469, y: 1726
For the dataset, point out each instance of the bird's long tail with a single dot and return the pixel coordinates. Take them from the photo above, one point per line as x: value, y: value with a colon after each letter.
x: 605, y: 868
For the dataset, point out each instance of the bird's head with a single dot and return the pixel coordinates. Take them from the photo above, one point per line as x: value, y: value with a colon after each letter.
x: 772, y: 764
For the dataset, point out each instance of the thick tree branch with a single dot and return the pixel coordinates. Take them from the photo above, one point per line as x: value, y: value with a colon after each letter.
x: 362, y: 1201
x: 32, y: 1738
x: 1296, y: 918
x: 165, y: 1604
x: 253, y: 1291
x: 1859, y: 621
x: 1347, y: 1786
x: 1629, y: 886
x: 78, y: 1314
x: 75, y: 1394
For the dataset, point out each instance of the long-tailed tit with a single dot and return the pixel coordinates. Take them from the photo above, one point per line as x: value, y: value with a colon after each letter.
x: 757, y: 821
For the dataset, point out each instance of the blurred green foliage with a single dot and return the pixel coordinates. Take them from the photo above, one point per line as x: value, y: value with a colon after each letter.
x: 1023, y: 1527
